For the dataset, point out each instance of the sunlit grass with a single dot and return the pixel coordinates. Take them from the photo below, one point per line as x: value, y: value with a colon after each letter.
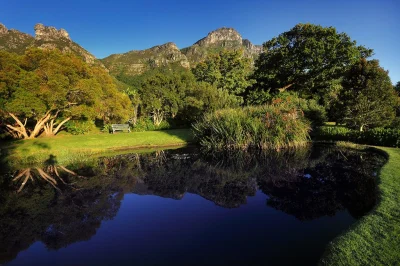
x: 68, y: 147
x: 374, y: 239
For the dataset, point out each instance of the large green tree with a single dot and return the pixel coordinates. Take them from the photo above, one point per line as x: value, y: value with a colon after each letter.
x: 227, y: 70
x: 162, y: 92
x: 368, y: 98
x: 43, y: 89
x: 306, y: 59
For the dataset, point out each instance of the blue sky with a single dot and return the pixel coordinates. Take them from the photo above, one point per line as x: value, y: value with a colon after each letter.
x: 114, y: 26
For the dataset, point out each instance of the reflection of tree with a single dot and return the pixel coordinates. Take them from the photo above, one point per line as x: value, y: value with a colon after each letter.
x: 307, y: 183
x: 49, y: 174
x: 41, y: 213
x: 344, y: 180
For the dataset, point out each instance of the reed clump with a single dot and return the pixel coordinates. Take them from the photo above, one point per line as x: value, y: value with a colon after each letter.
x: 275, y: 126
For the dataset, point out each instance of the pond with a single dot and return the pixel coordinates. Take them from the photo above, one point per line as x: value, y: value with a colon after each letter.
x: 184, y: 207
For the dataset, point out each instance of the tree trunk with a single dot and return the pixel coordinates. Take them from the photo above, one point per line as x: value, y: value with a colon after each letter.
x: 49, y: 129
x: 42, y: 124
x: 158, y: 117
x: 135, y: 114
x: 285, y: 87
x: 20, y: 130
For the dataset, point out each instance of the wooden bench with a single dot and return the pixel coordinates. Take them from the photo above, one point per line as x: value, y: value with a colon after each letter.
x: 120, y: 127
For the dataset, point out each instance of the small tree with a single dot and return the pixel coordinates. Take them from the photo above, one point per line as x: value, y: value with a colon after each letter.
x: 368, y: 98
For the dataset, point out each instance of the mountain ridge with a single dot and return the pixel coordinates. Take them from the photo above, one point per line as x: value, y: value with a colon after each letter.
x: 136, y: 62
x: 45, y: 37
x: 133, y: 62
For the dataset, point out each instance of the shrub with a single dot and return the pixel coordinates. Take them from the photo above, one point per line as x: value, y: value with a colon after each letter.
x: 77, y: 127
x: 146, y: 124
x: 377, y: 136
x: 312, y: 110
x: 272, y: 126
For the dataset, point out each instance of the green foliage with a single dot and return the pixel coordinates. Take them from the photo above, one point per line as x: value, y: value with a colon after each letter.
x: 146, y: 124
x: 77, y: 127
x: 397, y: 87
x: 368, y: 98
x: 265, y: 127
x: 42, y: 81
x: 305, y: 59
x: 107, y: 128
x: 377, y: 136
x: 314, y: 112
x: 226, y: 70
x: 396, y: 123
x: 174, y: 95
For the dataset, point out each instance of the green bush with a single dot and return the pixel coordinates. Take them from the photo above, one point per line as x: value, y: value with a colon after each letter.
x: 265, y: 127
x: 107, y: 128
x: 377, y: 136
x: 146, y: 124
x: 314, y: 112
x: 77, y: 127
x: 396, y: 123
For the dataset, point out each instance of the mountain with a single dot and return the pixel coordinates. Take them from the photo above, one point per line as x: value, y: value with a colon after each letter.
x: 45, y: 37
x: 14, y: 40
x: 133, y: 62
x: 138, y: 61
x: 215, y: 41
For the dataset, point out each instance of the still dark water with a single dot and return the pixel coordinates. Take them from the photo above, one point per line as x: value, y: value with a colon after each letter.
x: 182, y: 207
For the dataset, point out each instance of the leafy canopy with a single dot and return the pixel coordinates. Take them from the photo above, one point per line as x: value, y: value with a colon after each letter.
x: 48, y: 80
x: 227, y: 71
x: 368, y: 98
x: 304, y: 59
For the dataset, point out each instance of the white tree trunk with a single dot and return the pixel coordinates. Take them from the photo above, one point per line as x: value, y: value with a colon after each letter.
x: 42, y: 124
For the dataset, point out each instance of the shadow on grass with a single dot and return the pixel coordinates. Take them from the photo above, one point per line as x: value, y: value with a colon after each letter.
x: 183, y: 134
x: 8, y: 150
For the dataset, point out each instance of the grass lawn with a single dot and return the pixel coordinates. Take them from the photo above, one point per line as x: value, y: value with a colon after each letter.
x: 375, y: 238
x: 69, y: 147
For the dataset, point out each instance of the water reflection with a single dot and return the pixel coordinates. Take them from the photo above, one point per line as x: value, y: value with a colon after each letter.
x: 309, y: 183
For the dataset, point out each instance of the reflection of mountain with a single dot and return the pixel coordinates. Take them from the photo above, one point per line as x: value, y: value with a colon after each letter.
x: 307, y: 184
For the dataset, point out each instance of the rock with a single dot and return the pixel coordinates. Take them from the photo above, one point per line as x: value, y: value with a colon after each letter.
x: 220, y: 35
x: 223, y: 38
x: 139, y: 61
x: 3, y: 29
x: 47, y: 33
x: 45, y: 38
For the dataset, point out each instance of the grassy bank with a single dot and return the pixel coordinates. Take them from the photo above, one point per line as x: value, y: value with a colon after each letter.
x: 375, y: 238
x: 68, y: 147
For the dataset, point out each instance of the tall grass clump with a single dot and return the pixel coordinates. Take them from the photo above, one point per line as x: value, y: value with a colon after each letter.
x: 274, y: 126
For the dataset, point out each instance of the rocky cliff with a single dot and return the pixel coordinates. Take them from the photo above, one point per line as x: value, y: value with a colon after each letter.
x: 13, y: 40
x: 46, y: 38
x: 137, y: 62
x: 223, y: 38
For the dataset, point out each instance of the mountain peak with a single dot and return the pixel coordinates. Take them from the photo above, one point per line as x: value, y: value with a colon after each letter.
x: 3, y: 29
x: 220, y: 35
x: 45, y: 32
x: 165, y: 46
